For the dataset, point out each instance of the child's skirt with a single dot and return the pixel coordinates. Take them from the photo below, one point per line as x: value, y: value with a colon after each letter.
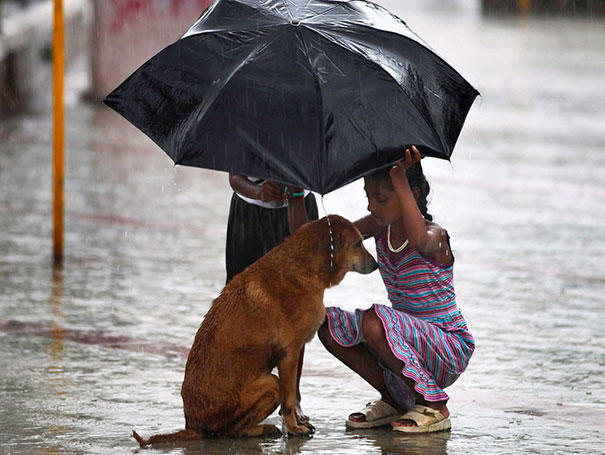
x: 433, y: 357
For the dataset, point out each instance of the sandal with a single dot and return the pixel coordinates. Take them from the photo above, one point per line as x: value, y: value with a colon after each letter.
x: 427, y: 420
x: 377, y: 413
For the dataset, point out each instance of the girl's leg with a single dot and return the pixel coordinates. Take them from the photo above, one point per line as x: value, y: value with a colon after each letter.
x: 377, y: 345
x: 362, y: 362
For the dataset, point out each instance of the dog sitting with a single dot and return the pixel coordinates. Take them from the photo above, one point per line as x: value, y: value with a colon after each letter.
x: 262, y: 319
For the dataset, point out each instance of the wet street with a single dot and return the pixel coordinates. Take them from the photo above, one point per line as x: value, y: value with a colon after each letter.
x: 97, y: 348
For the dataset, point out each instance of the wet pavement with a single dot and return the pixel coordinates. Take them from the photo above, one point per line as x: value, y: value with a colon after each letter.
x: 90, y: 351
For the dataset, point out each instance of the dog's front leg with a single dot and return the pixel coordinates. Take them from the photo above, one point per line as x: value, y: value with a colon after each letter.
x: 288, y: 370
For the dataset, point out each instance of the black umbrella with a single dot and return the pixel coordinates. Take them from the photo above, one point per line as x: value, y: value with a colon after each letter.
x: 311, y: 93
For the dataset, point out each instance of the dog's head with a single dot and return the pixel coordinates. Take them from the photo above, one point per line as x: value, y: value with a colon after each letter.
x: 344, y: 244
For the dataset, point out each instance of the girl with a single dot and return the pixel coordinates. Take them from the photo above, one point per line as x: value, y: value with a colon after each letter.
x: 410, y: 351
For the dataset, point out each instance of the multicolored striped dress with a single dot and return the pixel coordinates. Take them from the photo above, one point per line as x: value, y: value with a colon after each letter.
x: 424, y: 327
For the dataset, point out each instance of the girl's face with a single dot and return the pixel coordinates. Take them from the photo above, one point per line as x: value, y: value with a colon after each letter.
x: 383, y: 203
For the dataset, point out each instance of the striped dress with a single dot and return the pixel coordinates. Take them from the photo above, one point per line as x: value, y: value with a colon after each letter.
x: 424, y: 327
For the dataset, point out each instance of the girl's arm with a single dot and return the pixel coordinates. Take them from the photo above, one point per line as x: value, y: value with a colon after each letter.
x: 368, y: 227
x: 430, y: 239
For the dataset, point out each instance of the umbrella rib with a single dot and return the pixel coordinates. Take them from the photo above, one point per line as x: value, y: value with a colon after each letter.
x: 262, y: 154
x: 359, y: 130
x: 315, y: 16
x: 205, y: 107
x: 428, y: 123
x: 319, y: 102
x: 421, y: 42
x: 285, y: 2
x: 193, y: 31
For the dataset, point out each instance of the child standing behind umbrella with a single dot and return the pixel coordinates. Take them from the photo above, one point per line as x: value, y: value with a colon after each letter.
x: 412, y: 350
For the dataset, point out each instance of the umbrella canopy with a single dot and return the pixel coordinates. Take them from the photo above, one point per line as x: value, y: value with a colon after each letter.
x: 311, y: 93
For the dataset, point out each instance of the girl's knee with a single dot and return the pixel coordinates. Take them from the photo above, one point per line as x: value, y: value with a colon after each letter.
x: 371, y: 327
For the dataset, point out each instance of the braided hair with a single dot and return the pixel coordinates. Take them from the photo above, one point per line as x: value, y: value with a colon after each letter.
x: 416, y: 178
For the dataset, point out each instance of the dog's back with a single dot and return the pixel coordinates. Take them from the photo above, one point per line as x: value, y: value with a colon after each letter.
x: 227, y: 354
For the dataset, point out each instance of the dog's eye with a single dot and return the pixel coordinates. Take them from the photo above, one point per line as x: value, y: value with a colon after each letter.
x: 358, y: 244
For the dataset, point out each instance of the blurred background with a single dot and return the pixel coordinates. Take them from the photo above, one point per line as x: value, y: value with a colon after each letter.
x: 96, y: 347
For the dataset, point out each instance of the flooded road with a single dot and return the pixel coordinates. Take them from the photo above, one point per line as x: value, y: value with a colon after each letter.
x: 96, y: 349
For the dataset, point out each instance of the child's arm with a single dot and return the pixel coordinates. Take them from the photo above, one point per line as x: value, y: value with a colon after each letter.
x: 268, y: 191
x: 297, y: 212
x: 368, y: 227
x: 430, y: 239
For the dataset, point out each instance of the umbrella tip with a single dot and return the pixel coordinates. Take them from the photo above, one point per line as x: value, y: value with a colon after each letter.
x: 295, y: 22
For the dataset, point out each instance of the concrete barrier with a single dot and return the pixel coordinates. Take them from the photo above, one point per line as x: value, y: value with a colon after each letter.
x: 544, y: 7
x: 26, y: 53
x: 115, y: 35
x: 126, y: 33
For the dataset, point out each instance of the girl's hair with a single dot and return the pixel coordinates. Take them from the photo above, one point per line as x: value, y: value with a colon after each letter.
x: 415, y: 177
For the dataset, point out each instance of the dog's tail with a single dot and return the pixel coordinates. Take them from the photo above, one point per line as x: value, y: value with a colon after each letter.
x: 183, y: 435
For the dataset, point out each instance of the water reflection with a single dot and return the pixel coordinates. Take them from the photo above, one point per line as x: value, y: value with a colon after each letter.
x: 56, y: 347
x: 393, y: 442
x: 248, y: 446
x: 56, y: 351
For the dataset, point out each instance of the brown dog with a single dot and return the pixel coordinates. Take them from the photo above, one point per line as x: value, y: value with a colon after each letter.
x: 261, y: 320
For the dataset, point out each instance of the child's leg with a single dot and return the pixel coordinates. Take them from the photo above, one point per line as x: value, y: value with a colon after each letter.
x: 378, y: 347
x: 361, y: 361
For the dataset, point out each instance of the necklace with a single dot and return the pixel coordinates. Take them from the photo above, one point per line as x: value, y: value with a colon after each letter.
x: 393, y: 250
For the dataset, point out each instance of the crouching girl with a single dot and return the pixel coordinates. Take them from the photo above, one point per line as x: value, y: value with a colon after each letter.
x: 409, y: 351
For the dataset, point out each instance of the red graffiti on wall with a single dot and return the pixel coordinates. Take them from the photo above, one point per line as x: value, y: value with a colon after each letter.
x: 129, y: 11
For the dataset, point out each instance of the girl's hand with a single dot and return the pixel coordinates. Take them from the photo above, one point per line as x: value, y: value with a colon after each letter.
x: 410, y: 158
x: 271, y: 191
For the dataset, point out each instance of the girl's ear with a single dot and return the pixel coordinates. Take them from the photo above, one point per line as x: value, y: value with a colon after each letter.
x: 416, y: 191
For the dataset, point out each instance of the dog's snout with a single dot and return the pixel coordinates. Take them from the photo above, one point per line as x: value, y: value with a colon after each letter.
x: 368, y: 264
x: 372, y: 264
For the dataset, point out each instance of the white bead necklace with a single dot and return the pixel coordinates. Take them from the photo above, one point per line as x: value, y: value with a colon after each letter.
x: 394, y: 250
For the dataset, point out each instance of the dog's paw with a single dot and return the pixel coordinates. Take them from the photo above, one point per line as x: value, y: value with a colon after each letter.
x: 271, y: 431
x: 301, y: 430
x: 309, y: 426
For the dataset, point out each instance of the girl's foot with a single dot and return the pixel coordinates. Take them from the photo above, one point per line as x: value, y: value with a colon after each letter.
x: 386, y: 398
x: 441, y: 408
x: 375, y: 414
